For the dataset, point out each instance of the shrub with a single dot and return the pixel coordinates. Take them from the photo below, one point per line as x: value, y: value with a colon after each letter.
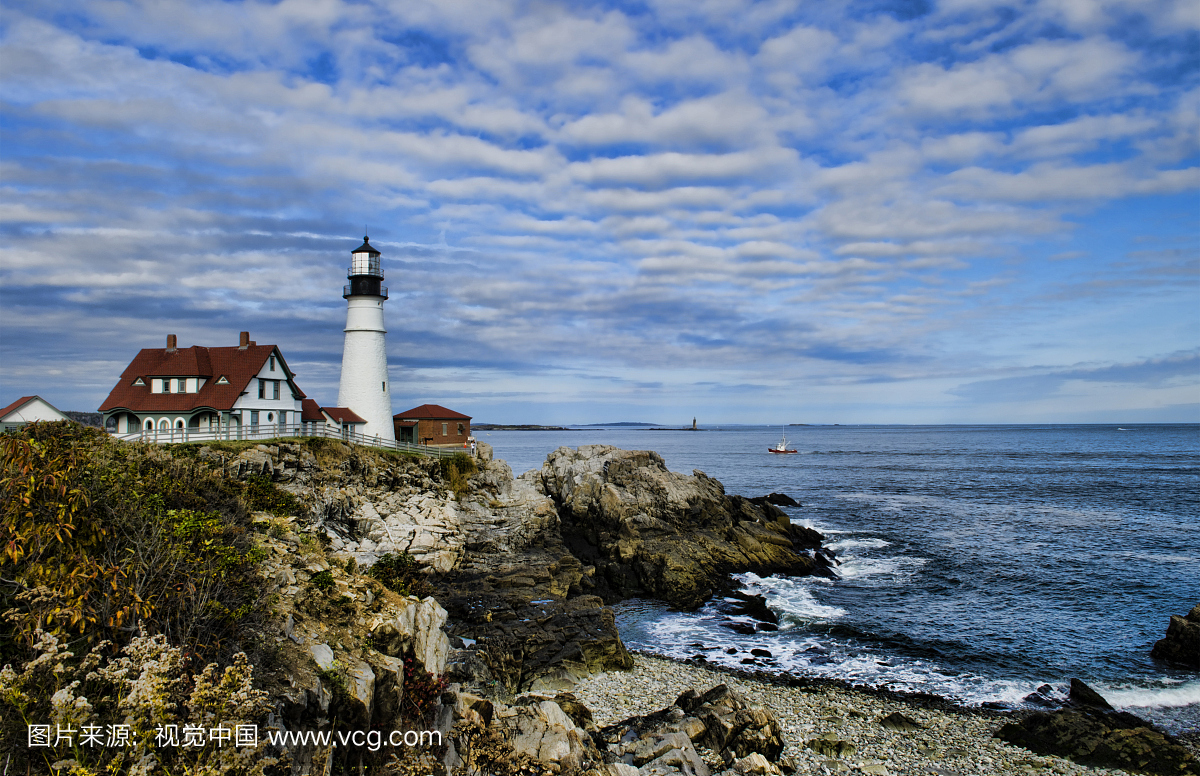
x: 323, y: 581
x: 401, y: 574
x: 422, y: 692
x: 456, y: 472
x: 100, y: 535
x: 260, y: 494
x: 148, y: 690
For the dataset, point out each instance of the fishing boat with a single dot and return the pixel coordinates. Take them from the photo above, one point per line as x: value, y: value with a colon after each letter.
x: 781, y: 447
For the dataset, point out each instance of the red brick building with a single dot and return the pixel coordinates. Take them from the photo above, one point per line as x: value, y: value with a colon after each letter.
x: 433, y: 424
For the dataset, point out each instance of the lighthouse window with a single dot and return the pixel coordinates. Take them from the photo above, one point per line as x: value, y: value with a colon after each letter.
x: 384, y: 384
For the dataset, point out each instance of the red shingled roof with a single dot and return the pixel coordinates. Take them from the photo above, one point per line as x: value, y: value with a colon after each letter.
x: 18, y: 403
x: 343, y: 415
x: 310, y: 411
x: 237, y: 365
x: 430, y: 411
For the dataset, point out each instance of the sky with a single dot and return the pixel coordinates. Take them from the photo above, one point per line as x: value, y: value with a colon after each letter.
x: 954, y: 211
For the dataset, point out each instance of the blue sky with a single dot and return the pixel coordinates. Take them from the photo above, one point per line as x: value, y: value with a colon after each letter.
x: 968, y: 211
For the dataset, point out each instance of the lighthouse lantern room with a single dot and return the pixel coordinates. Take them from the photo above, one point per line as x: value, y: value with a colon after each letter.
x: 364, y: 386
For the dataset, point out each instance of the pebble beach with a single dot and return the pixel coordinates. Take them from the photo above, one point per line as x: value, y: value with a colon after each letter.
x: 952, y: 741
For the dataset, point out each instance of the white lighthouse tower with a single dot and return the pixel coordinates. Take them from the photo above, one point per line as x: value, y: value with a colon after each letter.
x: 364, y: 387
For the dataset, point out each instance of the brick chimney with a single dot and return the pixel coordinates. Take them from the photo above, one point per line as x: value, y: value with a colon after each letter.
x: 244, y: 342
x: 171, y: 343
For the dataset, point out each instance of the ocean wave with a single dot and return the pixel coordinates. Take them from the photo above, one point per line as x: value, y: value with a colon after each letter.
x: 846, y: 544
x: 896, y: 567
x: 1126, y: 697
x: 790, y: 598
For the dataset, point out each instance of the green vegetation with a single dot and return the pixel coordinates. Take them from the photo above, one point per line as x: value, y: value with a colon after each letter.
x: 456, y: 472
x: 401, y: 574
x: 101, y: 537
x: 323, y: 581
x: 260, y: 494
x: 147, y: 687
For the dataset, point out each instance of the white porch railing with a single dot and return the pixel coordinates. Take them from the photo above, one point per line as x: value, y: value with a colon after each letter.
x: 171, y: 436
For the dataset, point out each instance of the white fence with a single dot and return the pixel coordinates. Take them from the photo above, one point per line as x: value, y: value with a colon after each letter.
x: 172, y: 436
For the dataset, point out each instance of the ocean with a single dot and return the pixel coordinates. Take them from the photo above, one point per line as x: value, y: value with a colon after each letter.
x: 976, y: 562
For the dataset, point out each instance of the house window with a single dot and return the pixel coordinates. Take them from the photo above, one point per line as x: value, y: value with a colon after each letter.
x: 254, y: 417
x: 275, y: 389
x: 460, y: 429
x: 166, y: 385
x: 270, y: 417
x: 445, y: 432
x: 262, y: 389
x: 272, y: 363
x: 149, y: 424
x: 164, y: 424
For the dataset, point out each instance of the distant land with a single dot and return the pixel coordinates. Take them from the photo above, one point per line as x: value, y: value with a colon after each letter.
x: 623, y: 423
x: 505, y: 427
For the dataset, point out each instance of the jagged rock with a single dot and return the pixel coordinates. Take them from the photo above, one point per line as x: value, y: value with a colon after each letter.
x: 424, y: 525
x: 389, y: 688
x: 360, y: 683
x: 900, y: 723
x: 1107, y: 739
x: 322, y: 655
x: 658, y: 533
x: 779, y: 500
x: 418, y: 628
x: 1082, y: 695
x: 681, y: 760
x: 720, y: 719
x: 830, y: 746
x: 539, y: 728
x: 1181, y: 645
x: 754, y: 764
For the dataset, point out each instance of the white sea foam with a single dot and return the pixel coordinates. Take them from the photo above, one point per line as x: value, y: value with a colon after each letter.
x: 847, y: 544
x: 790, y: 598
x: 1126, y: 697
x: 896, y: 568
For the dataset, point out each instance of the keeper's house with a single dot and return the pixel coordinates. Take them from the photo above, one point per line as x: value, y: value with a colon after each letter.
x: 204, y: 389
x: 434, y: 425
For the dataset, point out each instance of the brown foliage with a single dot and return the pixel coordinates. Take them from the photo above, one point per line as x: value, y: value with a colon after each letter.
x: 100, y: 535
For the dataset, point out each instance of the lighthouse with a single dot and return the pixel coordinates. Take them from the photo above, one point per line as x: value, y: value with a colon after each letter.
x: 364, y: 387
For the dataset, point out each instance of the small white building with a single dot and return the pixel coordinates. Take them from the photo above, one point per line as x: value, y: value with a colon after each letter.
x: 205, y: 389
x: 27, y: 409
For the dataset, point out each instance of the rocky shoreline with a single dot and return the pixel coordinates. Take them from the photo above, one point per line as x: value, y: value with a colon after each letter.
x: 857, y: 723
x: 538, y: 680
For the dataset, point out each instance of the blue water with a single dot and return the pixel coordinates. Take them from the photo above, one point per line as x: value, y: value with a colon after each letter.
x: 977, y: 562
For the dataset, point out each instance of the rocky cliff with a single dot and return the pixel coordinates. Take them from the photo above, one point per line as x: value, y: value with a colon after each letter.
x: 525, y: 565
x: 522, y: 569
